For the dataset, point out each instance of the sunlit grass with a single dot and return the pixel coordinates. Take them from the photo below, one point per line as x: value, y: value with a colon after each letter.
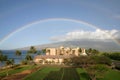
x: 16, y: 70
x: 112, y: 75
x: 40, y: 74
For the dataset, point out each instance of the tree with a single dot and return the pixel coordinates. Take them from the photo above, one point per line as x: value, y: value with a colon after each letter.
x: 32, y: 50
x: 0, y: 52
x: 39, y: 52
x: 18, y: 53
x: 80, y: 50
x: 9, y: 62
x: 114, y: 55
x: 89, y: 51
x: 102, y: 60
x: 96, y: 71
x: 43, y: 50
x: 24, y: 62
x: 3, y: 57
x: 81, y: 61
x: 94, y: 52
x: 28, y: 58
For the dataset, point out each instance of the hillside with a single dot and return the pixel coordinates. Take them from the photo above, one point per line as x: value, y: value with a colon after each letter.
x: 108, y: 45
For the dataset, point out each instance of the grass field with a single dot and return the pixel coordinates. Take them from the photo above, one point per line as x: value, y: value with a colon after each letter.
x: 40, y: 74
x: 16, y: 70
x: 55, y: 73
x: 59, y: 73
x: 63, y: 74
x: 112, y: 75
x: 82, y: 74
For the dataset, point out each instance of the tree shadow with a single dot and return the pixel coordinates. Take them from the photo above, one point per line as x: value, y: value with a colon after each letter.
x: 84, y: 75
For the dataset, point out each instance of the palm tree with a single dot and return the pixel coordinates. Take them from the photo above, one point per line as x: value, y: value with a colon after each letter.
x: 18, y: 53
x: 32, y: 50
x: 28, y: 58
x: 30, y: 53
x: 3, y: 57
x: 9, y: 62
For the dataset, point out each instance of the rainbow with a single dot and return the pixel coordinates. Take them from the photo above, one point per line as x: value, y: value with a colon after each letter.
x: 54, y: 19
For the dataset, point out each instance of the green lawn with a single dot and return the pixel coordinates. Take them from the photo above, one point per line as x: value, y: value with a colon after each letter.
x: 16, y: 70
x: 40, y: 74
x: 63, y: 74
x: 59, y: 73
x: 82, y: 74
x: 112, y: 75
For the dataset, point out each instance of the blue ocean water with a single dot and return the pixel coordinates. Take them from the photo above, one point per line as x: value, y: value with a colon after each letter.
x: 11, y: 55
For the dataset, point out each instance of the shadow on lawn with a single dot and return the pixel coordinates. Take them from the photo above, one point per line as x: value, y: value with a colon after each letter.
x: 84, y: 76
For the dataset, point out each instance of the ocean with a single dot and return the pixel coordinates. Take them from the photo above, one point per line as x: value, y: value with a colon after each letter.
x: 11, y: 55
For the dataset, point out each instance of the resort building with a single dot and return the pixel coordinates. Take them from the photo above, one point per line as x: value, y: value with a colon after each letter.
x: 58, y: 55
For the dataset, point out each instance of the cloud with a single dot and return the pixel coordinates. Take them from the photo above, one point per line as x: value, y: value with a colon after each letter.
x: 96, y: 35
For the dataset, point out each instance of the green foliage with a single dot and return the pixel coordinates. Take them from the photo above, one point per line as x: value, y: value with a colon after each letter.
x: 40, y: 74
x: 111, y: 75
x: 3, y: 57
x: 32, y: 50
x: 92, y: 52
x: 102, y: 60
x: 96, y: 71
x: 82, y: 74
x: 24, y: 62
x: 0, y: 52
x: 95, y: 52
x: 18, y: 52
x: 43, y: 50
x: 28, y: 57
x: 83, y: 61
x: 113, y: 55
x: 39, y: 52
x: 10, y: 62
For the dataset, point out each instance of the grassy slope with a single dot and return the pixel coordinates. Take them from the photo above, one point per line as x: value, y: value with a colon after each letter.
x: 40, y: 74
x: 112, y: 75
x: 16, y: 70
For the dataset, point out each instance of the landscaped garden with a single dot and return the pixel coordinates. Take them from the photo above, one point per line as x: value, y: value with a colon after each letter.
x: 41, y: 73
x: 67, y: 73
x: 92, y: 67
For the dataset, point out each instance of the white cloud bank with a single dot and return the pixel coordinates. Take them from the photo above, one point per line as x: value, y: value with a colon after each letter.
x: 97, y: 34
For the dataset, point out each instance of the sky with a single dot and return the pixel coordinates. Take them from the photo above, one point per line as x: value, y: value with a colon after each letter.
x: 33, y: 22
